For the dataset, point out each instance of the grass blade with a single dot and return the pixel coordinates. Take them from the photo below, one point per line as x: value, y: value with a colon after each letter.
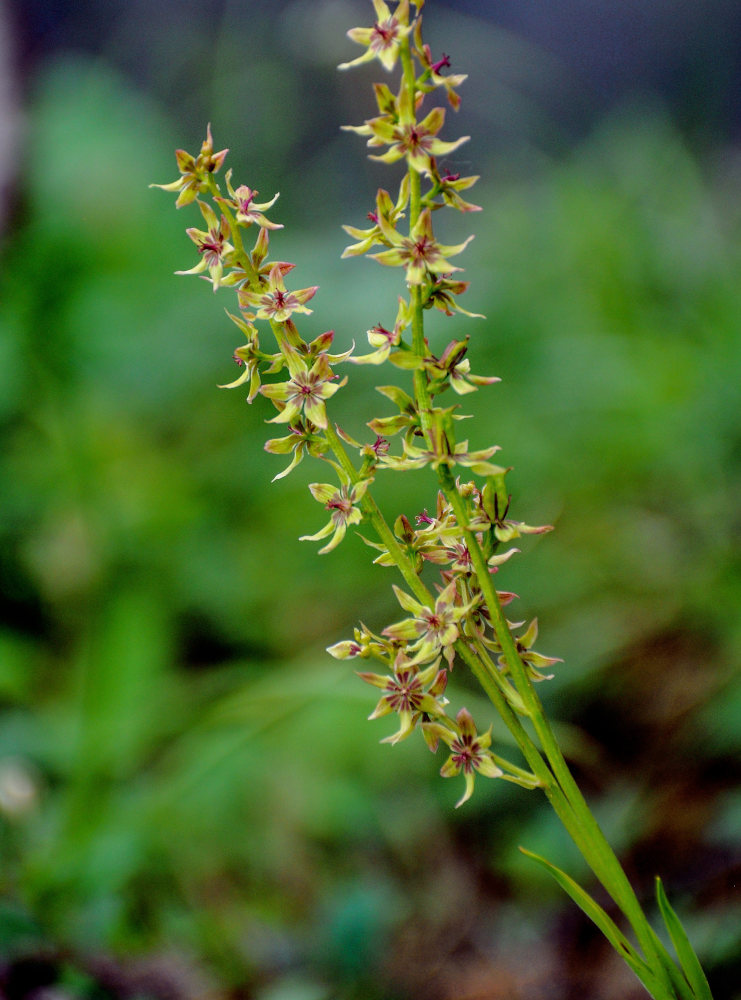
x: 606, y: 924
x: 685, y: 952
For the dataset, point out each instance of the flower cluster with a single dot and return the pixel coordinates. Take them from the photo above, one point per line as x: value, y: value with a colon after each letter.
x: 308, y: 377
x: 457, y: 621
x: 452, y: 614
x: 413, y: 688
x: 449, y: 620
x: 195, y: 171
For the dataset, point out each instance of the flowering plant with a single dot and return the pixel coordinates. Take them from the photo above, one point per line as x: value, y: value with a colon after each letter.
x: 458, y: 618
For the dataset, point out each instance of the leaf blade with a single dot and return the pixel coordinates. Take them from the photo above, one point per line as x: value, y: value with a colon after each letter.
x: 604, y: 922
x: 686, y: 954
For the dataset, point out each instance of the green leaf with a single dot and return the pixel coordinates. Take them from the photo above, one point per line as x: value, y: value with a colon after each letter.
x: 685, y: 952
x: 679, y: 983
x: 605, y: 923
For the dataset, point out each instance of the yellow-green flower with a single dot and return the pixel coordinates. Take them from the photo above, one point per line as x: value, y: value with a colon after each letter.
x: 194, y: 171
x: 442, y: 454
x: 469, y: 752
x: 417, y: 141
x: 340, y: 502
x: 419, y: 253
x: 302, y: 440
x: 386, y: 210
x: 397, y: 127
x: 246, y: 209
x: 306, y: 391
x: 442, y: 292
x: 213, y: 245
x: 251, y: 357
x: 533, y: 661
x: 432, y: 77
x: 275, y: 302
x: 382, y: 340
x: 453, y: 367
x: 415, y: 695
x: 431, y: 630
x: 383, y: 40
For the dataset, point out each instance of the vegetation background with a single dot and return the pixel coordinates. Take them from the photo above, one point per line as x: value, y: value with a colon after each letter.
x: 191, y: 801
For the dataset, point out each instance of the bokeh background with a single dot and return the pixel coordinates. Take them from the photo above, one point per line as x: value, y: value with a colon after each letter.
x: 191, y: 801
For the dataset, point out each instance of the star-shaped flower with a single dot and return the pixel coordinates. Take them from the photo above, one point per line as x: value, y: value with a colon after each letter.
x: 384, y: 340
x: 306, y: 391
x: 194, y: 171
x: 415, y: 695
x: 416, y: 545
x: 251, y: 357
x: 386, y: 210
x: 366, y: 645
x: 274, y: 302
x: 340, y: 502
x: 303, y: 439
x: 397, y: 127
x: 442, y: 454
x: 490, y: 511
x: 213, y: 245
x: 432, y: 77
x: 382, y: 41
x: 406, y: 419
x: 453, y: 367
x: 417, y: 141
x: 447, y: 186
x: 441, y: 294
x: 246, y: 209
x: 529, y: 657
x: 469, y: 752
x: 419, y: 253
x: 431, y: 630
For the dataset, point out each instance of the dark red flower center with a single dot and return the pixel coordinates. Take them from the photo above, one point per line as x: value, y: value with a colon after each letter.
x: 212, y: 246
x: 465, y: 751
x: 405, y: 693
x: 341, y: 504
x: 384, y: 34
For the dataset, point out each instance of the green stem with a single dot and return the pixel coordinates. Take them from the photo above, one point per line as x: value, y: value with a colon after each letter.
x: 555, y: 777
x: 591, y: 840
x: 540, y: 768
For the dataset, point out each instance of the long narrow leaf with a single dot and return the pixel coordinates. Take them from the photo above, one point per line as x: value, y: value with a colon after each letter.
x: 605, y: 923
x: 682, y: 988
x: 685, y: 952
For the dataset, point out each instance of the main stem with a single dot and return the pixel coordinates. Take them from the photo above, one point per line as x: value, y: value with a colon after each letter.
x: 556, y: 779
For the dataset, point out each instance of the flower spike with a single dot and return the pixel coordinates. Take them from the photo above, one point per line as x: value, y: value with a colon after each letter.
x: 467, y: 536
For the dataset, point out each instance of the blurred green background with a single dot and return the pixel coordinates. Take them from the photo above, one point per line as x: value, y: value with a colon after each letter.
x: 191, y: 801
